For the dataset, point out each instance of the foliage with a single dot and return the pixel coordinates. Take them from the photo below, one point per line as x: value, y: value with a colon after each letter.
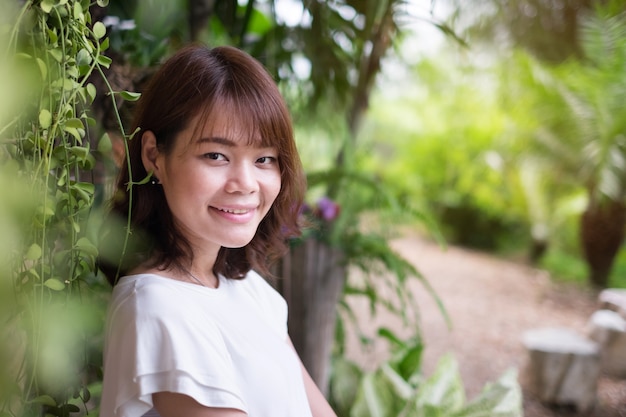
x: 397, y: 388
x: 142, y: 32
x: 566, y: 265
x: 514, y: 150
x: 548, y: 30
x: 580, y: 139
x: 360, y: 221
x: 451, y: 154
x: 48, y: 145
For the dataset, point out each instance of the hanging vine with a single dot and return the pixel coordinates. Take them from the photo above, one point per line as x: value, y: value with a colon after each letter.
x: 51, y: 146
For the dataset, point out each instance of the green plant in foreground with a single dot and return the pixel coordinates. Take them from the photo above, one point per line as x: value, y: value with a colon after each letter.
x: 47, y: 144
x: 397, y: 388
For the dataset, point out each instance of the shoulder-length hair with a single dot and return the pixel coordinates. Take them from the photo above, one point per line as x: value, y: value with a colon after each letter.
x: 197, y: 81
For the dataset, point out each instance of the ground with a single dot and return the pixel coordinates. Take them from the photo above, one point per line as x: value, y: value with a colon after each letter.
x: 491, y: 303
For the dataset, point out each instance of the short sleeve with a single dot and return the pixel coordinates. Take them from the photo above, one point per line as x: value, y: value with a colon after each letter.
x: 152, y: 346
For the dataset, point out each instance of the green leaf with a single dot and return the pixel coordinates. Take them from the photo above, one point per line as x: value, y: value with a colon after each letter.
x: 443, y: 391
x: 85, y: 245
x: 78, y: 12
x: 502, y: 399
x: 105, y: 61
x: 44, y: 400
x: 99, y: 30
x: 91, y: 91
x: 33, y: 273
x: 375, y: 397
x: 83, y: 190
x: 102, y: 3
x: 47, y: 5
x: 43, y: 68
x: 104, y: 45
x: 130, y: 96
x: 54, y: 284
x: 400, y: 386
x: 34, y: 252
x: 260, y: 24
x: 46, y: 211
x: 79, y: 151
x: 57, y: 54
x: 53, y: 36
x: 83, y: 58
x: 74, y: 123
x: 344, y: 384
x: 78, y: 134
x: 105, y: 145
x: 45, y: 118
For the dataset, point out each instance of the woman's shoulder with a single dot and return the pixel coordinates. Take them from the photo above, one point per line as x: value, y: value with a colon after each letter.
x: 265, y: 296
x: 149, y: 294
x: 258, y: 285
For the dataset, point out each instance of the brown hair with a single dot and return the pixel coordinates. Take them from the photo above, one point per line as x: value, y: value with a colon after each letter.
x: 201, y: 81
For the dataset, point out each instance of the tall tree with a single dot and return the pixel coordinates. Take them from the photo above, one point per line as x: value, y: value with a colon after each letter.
x: 581, y: 125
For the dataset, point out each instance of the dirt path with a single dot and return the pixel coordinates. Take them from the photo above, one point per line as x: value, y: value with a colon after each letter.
x: 491, y: 302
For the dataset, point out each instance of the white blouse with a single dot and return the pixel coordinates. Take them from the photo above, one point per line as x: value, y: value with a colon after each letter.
x: 224, y: 347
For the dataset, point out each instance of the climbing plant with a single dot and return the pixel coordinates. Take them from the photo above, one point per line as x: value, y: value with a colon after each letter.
x: 52, y: 146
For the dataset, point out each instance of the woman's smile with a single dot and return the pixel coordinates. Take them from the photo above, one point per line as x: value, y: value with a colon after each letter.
x: 236, y: 215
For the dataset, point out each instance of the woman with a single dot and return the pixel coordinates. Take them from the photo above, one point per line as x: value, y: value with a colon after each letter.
x: 192, y: 329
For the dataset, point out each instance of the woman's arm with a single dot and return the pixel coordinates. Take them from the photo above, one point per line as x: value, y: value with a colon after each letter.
x: 317, y: 401
x: 171, y: 404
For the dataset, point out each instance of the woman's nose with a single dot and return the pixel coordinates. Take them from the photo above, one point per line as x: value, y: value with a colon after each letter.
x: 242, y: 179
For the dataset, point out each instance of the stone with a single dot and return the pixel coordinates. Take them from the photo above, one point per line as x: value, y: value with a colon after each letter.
x: 608, y: 329
x: 563, y: 367
x: 613, y: 299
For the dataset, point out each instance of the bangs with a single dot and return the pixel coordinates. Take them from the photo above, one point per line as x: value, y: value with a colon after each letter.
x: 258, y: 121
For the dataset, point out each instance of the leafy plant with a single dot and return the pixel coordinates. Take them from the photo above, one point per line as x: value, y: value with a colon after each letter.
x: 451, y: 154
x: 48, y: 145
x: 579, y: 130
x: 397, y: 388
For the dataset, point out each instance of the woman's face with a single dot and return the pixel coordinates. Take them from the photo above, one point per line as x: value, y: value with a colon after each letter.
x: 217, y: 186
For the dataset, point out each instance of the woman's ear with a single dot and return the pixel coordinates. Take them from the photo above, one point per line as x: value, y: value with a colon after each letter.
x: 150, y: 153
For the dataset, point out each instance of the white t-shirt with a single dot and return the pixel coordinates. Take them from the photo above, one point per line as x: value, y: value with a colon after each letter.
x: 225, y: 347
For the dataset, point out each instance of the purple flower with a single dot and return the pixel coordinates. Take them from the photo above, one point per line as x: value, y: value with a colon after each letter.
x: 328, y: 209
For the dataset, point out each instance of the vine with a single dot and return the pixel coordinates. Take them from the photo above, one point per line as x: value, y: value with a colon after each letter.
x: 52, y: 148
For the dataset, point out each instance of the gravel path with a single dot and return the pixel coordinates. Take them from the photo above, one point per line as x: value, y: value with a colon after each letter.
x: 491, y: 303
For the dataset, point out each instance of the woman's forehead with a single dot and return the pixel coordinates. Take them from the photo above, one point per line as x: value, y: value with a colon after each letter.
x: 227, y: 125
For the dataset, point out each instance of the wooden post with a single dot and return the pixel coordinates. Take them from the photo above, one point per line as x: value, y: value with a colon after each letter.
x: 313, y: 277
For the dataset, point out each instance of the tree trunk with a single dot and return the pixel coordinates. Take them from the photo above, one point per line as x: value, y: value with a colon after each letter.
x: 313, y: 276
x: 602, y: 233
x: 199, y: 13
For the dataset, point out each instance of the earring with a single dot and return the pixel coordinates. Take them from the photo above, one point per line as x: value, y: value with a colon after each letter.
x: 155, y: 181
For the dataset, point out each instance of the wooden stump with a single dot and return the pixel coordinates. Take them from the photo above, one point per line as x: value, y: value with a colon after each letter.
x: 563, y: 367
x: 608, y: 329
x: 613, y: 299
x: 313, y: 276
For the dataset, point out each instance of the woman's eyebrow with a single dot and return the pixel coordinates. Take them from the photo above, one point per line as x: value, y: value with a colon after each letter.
x: 218, y: 140
x: 227, y: 142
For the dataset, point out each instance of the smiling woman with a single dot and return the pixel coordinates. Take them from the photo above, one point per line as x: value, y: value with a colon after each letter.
x: 193, y: 329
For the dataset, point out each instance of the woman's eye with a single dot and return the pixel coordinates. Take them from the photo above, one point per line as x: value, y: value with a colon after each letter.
x: 266, y: 160
x: 214, y: 156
